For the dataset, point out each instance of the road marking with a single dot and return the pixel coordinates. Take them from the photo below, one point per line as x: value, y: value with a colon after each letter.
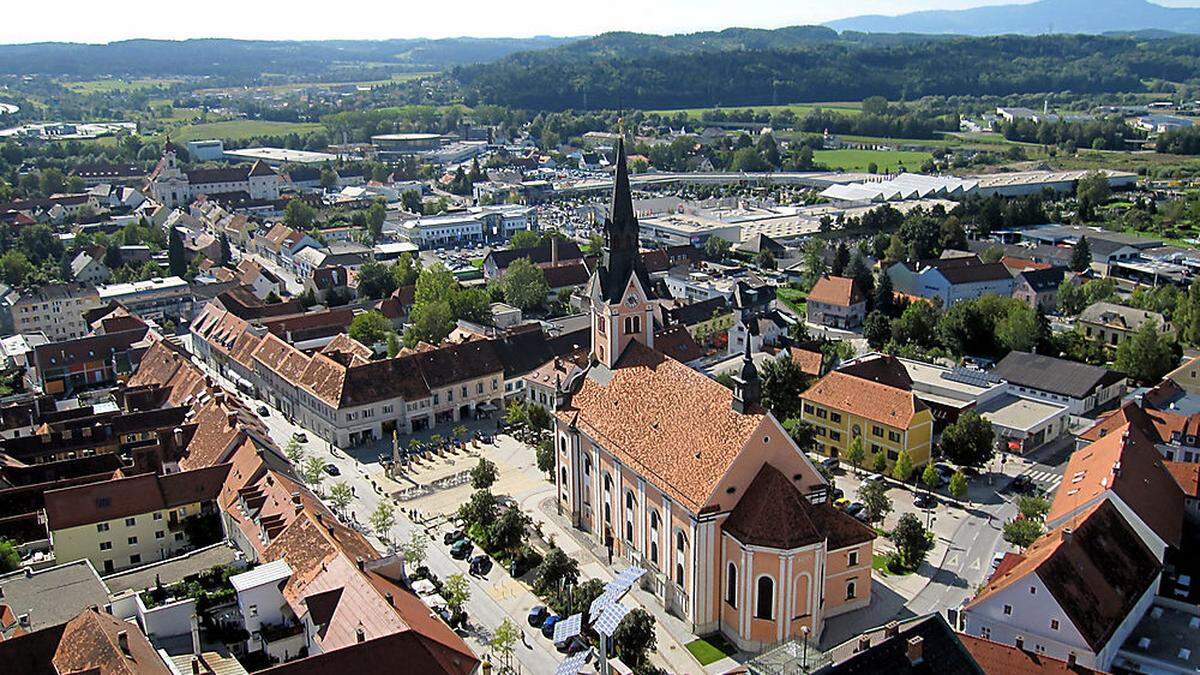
x: 974, y: 564
x: 952, y: 561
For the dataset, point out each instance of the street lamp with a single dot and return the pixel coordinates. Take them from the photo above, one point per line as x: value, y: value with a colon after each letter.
x: 804, y: 630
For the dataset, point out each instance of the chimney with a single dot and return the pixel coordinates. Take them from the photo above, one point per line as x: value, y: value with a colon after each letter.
x: 232, y: 418
x: 360, y: 635
x: 1071, y: 660
x: 554, y: 251
x: 178, y: 437
x: 391, y: 600
x: 195, y: 666
x: 361, y: 563
x: 864, y: 643
x: 123, y: 642
x: 1020, y: 643
x: 916, y: 650
x: 891, y: 630
x: 1066, y: 533
x: 195, y: 625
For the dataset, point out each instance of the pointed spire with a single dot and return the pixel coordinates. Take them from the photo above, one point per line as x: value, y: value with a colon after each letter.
x: 622, y: 199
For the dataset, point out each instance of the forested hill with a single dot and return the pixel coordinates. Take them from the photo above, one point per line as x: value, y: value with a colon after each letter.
x: 222, y: 58
x: 624, y: 70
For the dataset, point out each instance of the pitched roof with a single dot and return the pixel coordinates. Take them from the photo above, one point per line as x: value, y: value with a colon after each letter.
x: 1043, y: 279
x: 379, y: 656
x: 1127, y: 463
x: 91, y: 643
x: 773, y: 513
x: 124, y: 497
x: 839, y: 291
x: 1120, y: 317
x: 1047, y: 373
x: 1187, y: 474
x: 671, y: 424
x: 871, y: 400
x: 998, y: 659
x: 942, y: 653
x: 567, y: 250
x: 677, y: 343
x: 1095, y: 566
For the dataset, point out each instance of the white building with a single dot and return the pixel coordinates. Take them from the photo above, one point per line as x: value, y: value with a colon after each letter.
x: 172, y: 186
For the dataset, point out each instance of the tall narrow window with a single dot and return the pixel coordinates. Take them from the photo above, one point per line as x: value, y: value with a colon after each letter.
x: 731, y: 585
x: 764, y: 607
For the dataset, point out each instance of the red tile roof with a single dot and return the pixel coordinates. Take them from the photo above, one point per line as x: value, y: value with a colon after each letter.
x: 840, y: 291
x: 871, y: 400
x: 1187, y: 474
x: 997, y: 659
x: 131, y: 496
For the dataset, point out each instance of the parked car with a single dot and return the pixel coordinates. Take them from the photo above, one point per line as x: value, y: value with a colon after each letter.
x: 997, y: 559
x: 263, y: 411
x: 453, y: 536
x: 481, y: 565
x: 830, y: 463
x: 875, y: 478
x: 855, y: 508
x: 537, y: 615
x: 837, y: 493
x: 300, y: 437
x: 841, y: 503
x: 1022, y: 483
x: 548, y: 626
x: 571, y: 646
x: 925, y: 500
x: 461, y: 549
x: 944, y: 470
x: 332, y: 470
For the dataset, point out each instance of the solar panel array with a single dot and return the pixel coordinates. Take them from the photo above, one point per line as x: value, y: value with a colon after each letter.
x: 608, y: 597
x: 975, y: 378
x: 611, y: 618
x: 572, y: 664
x: 627, y: 578
x: 568, y: 628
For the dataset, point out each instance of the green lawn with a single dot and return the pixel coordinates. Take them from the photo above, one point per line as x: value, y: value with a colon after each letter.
x: 859, y: 160
x: 110, y: 85
x: 793, y: 298
x: 800, y: 109
x: 235, y: 130
x: 398, y: 77
x: 710, y: 650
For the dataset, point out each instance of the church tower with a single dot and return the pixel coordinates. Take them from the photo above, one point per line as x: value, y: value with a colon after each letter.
x: 620, y: 289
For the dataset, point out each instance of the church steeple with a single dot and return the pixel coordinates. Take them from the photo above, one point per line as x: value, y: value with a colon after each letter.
x: 747, y: 388
x: 621, y: 257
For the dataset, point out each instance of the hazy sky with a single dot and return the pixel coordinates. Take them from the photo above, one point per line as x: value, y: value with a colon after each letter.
x: 88, y: 21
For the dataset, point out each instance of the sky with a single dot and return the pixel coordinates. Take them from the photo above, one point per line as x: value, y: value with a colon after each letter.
x: 87, y: 21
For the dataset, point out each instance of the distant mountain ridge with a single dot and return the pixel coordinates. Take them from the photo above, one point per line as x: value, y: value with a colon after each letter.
x: 1038, y: 18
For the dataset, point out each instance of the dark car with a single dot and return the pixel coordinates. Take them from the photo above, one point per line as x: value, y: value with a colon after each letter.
x: 830, y: 463
x: 461, y: 549
x: 925, y: 501
x: 548, y: 626
x: 571, y: 646
x: 1022, y: 483
x: 332, y: 470
x: 537, y: 616
x: 855, y: 509
x: 300, y: 437
x: 263, y: 411
x: 944, y: 470
x: 452, y: 536
x: 519, y: 565
x: 836, y: 494
x: 481, y: 565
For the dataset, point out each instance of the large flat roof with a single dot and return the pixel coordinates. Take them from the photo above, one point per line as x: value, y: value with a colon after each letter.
x: 281, y: 155
x: 1014, y: 412
x: 53, y: 595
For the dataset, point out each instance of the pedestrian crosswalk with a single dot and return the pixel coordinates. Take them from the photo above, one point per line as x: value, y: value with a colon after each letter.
x: 1046, y: 480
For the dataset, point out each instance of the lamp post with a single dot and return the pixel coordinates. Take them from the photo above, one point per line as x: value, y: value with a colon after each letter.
x: 804, y: 630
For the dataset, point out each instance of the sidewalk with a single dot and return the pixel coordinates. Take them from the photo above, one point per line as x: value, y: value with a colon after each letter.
x: 673, y: 635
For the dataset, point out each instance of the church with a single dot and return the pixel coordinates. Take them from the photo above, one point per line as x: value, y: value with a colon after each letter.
x: 174, y: 187
x: 699, y: 484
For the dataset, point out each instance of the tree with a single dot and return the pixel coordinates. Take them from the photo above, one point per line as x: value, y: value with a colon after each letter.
x: 508, y: 532
x: 969, y: 440
x: 370, y: 328
x: 375, y: 280
x: 376, y: 214
x: 1081, y: 256
x: 406, y: 270
x: 930, y: 477
x: 1018, y: 330
x: 14, y: 268
x: 856, y: 453
x: 958, y: 485
x: 313, y: 472
x: 1148, y: 355
x: 429, y: 322
x: 504, y: 638
x: 525, y: 239
x: 716, y: 248
x: 902, y: 470
x: 483, y: 474
x: 841, y: 258
x: 382, y: 519
x: 456, y: 590
x: 556, y: 572
x: 10, y: 557
x: 1022, y: 532
x: 298, y: 215
x: 782, y: 383
x: 879, y: 463
x: 340, y: 495
x: 634, y: 638
x: 913, y: 542
x: 176, y: 256
x: 1032, y: 507
x: 765, y: 259
x: 524, y: 285
x: 917, y: 325
x: 545, y: 456
x: 294, y: 452
x: 884, y: 299
x: 479, y: 510
x: 1092, y: 191
x: 415, y: 549
x: 873, y: 495
x: 861, y: 273
x: 226, y: 253
x: 877, y: 329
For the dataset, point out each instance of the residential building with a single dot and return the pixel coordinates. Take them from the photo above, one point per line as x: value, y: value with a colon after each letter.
x: 131, y: 521
x: 86, y: 269
x: 442, y: 230
x: 1038, y: 288
x: 554, y: 253
x: 951, y: 279
x: 698, y: 484
x: 157, y: 299
x: 174, y: 187
x: 836, y: 302
x: 925, y: 644
x: 1113, y: 324
x: 92, y: 361
x: 1187, y: 475
x: 111, y: 174
x: 55, y: 310
x: 1025, y: 424
x: 1081, y: 387
x: 1074, y: 595
x: 890, y: 420
x: 44, y: 598
x: 93, y: 642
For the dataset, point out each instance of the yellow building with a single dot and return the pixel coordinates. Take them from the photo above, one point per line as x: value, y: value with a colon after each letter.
x: 130, y: 521
x: 841, y: 407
